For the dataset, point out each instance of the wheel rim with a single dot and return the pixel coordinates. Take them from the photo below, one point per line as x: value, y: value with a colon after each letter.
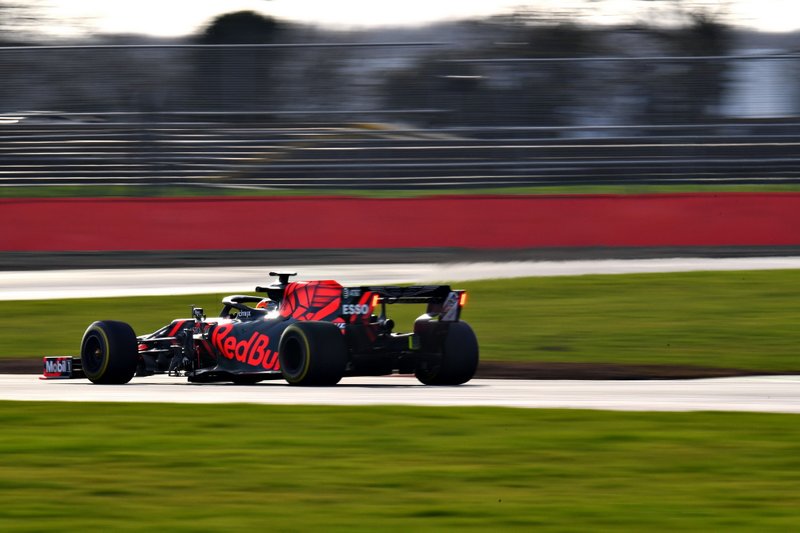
x: 93, y: 354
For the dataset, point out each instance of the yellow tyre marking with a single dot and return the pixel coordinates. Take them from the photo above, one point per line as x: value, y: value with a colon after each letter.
x: 106, y: 349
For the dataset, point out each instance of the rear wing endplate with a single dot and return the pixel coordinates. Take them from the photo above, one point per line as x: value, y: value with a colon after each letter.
x: 441, y: 300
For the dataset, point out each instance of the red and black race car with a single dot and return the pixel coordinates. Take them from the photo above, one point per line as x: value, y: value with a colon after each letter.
x: 308, y: 332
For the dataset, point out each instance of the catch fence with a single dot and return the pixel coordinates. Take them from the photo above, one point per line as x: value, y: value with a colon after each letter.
x: 391, y: 115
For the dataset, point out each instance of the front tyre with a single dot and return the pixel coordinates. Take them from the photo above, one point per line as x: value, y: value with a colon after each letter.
x: 109, y: 352
x: 312, y: 353
x: 458, y: 361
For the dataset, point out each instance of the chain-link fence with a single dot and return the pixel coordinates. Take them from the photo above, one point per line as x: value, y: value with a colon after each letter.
x: 364, y: 80
x: 237, y: 79
x: 422, y: 114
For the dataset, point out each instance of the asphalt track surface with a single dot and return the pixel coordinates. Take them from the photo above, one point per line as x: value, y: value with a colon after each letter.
x: 777, y: 394
x: 58, y: 284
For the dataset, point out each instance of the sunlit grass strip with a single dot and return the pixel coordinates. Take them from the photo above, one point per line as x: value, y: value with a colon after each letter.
x: 126, y: 467
x: 746, y: 320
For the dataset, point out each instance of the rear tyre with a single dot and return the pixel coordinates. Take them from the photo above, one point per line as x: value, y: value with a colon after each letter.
x: 109, y: 352
x: 458, y: 361
x: 312, y: 353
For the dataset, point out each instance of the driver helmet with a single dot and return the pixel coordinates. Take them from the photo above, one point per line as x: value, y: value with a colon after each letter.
x: 267, y: 304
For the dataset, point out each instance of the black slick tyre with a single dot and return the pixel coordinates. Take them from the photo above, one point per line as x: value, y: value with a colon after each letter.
x: 458, y: 361
x: 109, y: 352
x: 312, y: 353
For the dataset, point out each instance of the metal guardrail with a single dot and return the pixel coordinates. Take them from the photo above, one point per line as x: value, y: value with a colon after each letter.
x: 370, y: 156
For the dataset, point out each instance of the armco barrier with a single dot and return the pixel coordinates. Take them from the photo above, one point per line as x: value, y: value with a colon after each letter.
x: 480, y: 222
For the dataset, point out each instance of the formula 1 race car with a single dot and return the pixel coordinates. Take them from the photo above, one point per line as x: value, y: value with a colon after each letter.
x: 308, y: 332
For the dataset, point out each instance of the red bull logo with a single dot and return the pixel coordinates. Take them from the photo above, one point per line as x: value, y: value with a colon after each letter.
x: 253, y: 351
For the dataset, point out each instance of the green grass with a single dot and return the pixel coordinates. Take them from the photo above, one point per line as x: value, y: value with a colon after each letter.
x: 722, y: 319
x: 743, y: 320
x: 124, y: 467
x: 66, y: 191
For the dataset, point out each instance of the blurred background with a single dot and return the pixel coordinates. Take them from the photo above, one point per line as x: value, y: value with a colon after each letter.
x: 216, y: 96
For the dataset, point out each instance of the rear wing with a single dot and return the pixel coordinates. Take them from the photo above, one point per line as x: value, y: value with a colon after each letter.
x: 328, y: 300
x: 442, y: 301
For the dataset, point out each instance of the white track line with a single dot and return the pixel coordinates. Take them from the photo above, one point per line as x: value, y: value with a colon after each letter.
x: 56, y: 284
x: 779, y: 394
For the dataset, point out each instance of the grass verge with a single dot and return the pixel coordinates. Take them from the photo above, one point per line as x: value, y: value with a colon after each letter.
x: 66, y: 191
x: 717, y: 319
x: 126, y: 467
